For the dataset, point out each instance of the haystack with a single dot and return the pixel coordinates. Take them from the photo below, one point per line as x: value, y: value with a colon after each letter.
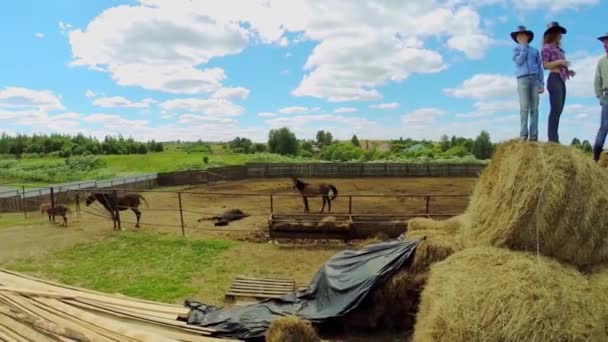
x: 452, y: 225
x: 603, y: 162
x: 436, y: 246
x: 545, y: 197
x: 493, y: 294
x: 291, y: 329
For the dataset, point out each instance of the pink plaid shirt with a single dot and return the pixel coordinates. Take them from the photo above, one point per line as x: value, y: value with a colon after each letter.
x: 552, y: 53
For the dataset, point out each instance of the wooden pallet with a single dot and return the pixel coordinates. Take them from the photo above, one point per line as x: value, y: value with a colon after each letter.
x: 245, y: 290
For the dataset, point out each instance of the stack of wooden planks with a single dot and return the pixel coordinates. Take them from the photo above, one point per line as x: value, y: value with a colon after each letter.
x: 38, y: 310
x: 247, y: 290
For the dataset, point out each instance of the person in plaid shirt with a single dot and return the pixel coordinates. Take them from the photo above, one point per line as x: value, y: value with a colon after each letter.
x: 554, y: 60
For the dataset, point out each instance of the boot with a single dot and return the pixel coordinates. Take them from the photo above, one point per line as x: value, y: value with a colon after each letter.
x: 596, y: 154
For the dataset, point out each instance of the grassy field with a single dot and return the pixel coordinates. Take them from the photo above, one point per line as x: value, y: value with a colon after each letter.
x: 43, y: 171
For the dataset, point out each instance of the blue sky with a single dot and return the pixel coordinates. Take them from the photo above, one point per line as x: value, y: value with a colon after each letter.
x: 202, y: 69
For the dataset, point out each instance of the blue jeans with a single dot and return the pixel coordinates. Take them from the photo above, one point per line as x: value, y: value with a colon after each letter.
x: 527, y: 87
x: 600, y: 139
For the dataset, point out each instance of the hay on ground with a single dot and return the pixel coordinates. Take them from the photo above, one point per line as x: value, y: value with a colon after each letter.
x: 493, y: 294
x: 291, y: 329
x: 545, y: 196
x: 436, y: 246
x: 452, y: 225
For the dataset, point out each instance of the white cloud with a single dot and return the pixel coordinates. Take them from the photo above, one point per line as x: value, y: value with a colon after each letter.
x: 219, y: 107
x: 237, y: 93
x: 193, y: 118
x: 121, y: 102
x: 64, y: 27
x: 177, y: 79
x: 89, y: 93
x: 293, y: 110
x: 39, y: 35
x: 24, y: 98
x: 267, y: 115
x: 485, y: 86
x: 115, y: 121
x: 489, y: 108
x: 389, y: 105
x: 368, y: 45
x: 553, y: 5
x: 346, y: 110
x: 584, y: 65
x: 422, y: 117
x: 342, y: 127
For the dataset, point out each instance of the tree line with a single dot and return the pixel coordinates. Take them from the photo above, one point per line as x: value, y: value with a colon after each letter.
x: 66, y: 146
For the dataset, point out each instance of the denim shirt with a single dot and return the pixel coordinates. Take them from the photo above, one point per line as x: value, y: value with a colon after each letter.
x: 528, y: 61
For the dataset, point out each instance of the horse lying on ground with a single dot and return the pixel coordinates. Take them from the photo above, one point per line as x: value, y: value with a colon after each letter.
x: 227, y: 217
x: 121, y: 202
x: 327, y: 191
x: 59, y: 210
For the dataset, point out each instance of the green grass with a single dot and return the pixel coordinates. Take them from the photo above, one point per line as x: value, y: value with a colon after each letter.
x: 8, y: 220
x: 144, y: 265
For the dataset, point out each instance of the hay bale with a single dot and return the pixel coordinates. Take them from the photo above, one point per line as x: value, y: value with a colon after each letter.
x: 436, y: 246
x: 599, y: 287
x: 493, y: 294
x: 603, y: 161
x: 291, y: 329
x: 452, y: 225
x: 541, y: 195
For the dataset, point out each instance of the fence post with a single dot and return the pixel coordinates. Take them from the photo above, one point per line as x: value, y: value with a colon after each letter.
x: 428, y: 200
x: 53, y: 204
x: 116, y: 210
x: 78, y: 204
x: 271, y: 204
x: 23, y: 202
x: 350, y: 205
x: 181, y: 213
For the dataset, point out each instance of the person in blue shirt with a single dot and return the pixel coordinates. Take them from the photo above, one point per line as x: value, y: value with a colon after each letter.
x: 530, y: 81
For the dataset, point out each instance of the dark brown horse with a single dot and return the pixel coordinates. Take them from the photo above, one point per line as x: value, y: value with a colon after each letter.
x: 122, y: 202
x: 327, y: 191
x: 59, y: 210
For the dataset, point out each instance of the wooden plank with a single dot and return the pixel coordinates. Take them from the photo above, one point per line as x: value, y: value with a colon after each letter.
x: 272, y: 280
x: 23, y: 330
x: 268, y: 284
x: 257, y: 293
x: 45, y: 326
x: 261, y: 288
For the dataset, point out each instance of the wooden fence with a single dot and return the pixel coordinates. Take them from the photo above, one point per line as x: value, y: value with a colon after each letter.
x: 31, y: 199
x: 318, y: 170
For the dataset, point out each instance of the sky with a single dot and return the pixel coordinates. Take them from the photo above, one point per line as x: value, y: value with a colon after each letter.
x: 214, y: 70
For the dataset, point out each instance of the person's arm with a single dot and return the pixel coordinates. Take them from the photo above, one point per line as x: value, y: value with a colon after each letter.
x: 548, y: 63
x: 598, y: 80
x: 541, y: 72
x: 520, y: 53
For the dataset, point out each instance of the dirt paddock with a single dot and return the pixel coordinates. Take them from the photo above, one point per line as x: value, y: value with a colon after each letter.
x: 163, y: 211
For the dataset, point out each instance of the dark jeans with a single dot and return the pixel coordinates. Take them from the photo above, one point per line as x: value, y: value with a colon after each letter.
x: 603, y: 131
x: 557, y: 97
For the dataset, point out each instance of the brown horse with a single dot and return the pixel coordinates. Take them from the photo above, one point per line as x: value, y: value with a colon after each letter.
x: 59, y: 210
x: 122, y: 202
x: 327, y: 191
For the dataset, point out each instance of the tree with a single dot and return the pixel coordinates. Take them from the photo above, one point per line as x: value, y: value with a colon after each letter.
x: 586, y: 146
x: 282, y: 141
x: 355, y: 141
x: 482, y: 147
x: 324, y: 138
x: 445, y: 143
x: 259, y: 148
x: 576, y: 143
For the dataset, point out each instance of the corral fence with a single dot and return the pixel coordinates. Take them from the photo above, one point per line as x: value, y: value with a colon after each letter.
x: 354, y: 216
x: 23, y: 200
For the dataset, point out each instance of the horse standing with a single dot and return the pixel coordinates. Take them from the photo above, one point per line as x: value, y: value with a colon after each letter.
x: 121, y: 202
x: 327, y: 191
x: 58, y: 210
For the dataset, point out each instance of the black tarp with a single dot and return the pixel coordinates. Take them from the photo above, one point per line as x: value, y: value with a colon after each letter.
x: 337, y: 289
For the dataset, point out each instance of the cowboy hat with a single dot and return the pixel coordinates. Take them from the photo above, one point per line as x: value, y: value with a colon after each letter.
x: 555, y: 26
x: 522, y: 29
x: 604, y: 37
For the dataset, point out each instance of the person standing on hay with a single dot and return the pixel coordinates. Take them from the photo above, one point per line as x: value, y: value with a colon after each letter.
x: 530, y: 81
x: 554, y: 59
x: 601, y: 91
